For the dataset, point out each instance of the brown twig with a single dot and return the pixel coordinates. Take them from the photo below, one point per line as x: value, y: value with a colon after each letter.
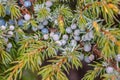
x: 98, y: 53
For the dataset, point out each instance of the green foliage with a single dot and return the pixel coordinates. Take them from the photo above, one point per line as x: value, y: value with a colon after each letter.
x: 41, y: 12
x: 15, y: 12
x: 5, y: 57
x: 2, y: 10
x: 54, y: 71
x: 29, y: 54
x: 45, y: 57
x: 93, y: 74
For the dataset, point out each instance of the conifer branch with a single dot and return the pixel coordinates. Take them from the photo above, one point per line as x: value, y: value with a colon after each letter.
x: 98, y: 53
x: 22, y: 63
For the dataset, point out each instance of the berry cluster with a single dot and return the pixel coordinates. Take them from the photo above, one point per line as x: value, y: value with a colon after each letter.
x: 7, y: 32
x: 72, y: 37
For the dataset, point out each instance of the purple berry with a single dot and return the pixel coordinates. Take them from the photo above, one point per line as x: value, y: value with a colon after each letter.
x: 65, y: 37
x: 27, y: 17
x: 48, y: 3
x: 34, y: 28
x: 118, y: 58
x: 87, y: 59
x: 91, y: 57
x: 59, y: 43
x: 45, y: 31
x: 11, y: 27
x: 10, y: 33
x: 9, y: 45
x: 73, y: 26
x: 20, y: 22
x: 83, y: 38
x: 68, y: 30
x: 56, y: 37
x: 11, y: 22
x: 51, y: 34
x: 2, y: 22
x: 46, y: 36
x: 45, y: 22
x: 48, y: 9
x: 77, y: 38
x: 86, y: 37
x: 6, y: 40
x: 81, y: 56
x: 87, y: 47
x: 40, y: 26
x: 3, y: 27
x: 109, y: 70
x: 27, y: 3
x: 77, y: 32
x: 63, y: 42
x: 73, y: 42
x: 91, y: 35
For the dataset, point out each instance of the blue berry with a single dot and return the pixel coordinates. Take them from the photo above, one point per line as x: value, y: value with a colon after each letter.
x: 7, y: 10
x: 87, y: 59
x: 11, y: 22
x: 73, y: 26
x: 87, y: 47
x: 9, y: 45
x: 34, y: 28
x: 20, y: 22
x: 45, y: 31
x: 8, y: 49
x: 118, y: 58
x: 40, y: 26
x: 56, y: 37
x: 77, y: 32
x: 77, y: 38
x: 2, y: 22
x: 87, y: 37
x: 27, y: 3
x: 45, y: 22
x: 81, y: 56
x: 91, y: 35
x: 73, y: 42
x: 63, y: 42
x: 65, y: 37
x: 68, y: 30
